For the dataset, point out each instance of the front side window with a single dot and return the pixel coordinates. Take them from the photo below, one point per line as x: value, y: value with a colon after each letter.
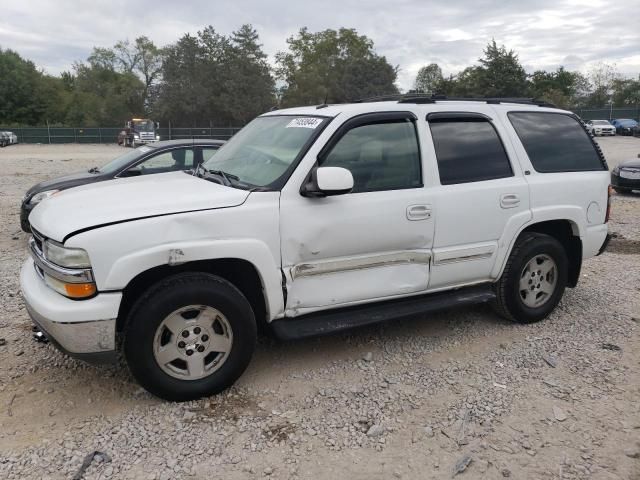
x: 127, y: 158
x: 555, y: 142
x: 262, y: 153
x: 468, y: 149
x: 169, y: 161
x: 380, y: 156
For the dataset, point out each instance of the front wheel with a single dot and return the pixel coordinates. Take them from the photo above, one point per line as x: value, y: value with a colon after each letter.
x: 533, y: 280
x: 189, y: 336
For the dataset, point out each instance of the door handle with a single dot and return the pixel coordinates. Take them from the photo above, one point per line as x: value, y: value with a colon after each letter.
x: 509, y: 200
x: 418, y: 212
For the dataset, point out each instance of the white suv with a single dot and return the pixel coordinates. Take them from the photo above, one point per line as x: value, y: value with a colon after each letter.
x: 313, y: 220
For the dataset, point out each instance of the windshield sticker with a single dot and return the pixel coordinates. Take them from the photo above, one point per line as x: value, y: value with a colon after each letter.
x: 306, y: 122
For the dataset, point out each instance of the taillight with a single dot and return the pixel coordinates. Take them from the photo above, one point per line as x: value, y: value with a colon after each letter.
x: 609, y: 191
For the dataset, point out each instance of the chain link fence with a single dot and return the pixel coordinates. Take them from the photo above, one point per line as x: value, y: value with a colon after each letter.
x: 54, y: 135
x: 608, y: 113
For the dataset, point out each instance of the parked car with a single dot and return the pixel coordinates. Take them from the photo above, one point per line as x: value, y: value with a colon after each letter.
x: 600, y: 127
x: 625, y: 126
x: 160, y: 157
x: 8, y: 138
x: 625, y: 177
x: 313, y: 220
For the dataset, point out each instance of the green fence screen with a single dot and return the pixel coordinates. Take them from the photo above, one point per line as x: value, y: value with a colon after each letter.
x: 110, y: 134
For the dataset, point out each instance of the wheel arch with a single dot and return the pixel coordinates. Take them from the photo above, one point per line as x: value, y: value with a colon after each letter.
x: 240, y: 272
x: 567, y: 232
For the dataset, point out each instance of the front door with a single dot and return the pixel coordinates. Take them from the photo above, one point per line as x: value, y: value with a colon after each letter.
x: 372, y: 243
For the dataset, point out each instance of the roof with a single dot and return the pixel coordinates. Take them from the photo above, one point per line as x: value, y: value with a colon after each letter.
x: 420, y: 105
x: 186, y: 141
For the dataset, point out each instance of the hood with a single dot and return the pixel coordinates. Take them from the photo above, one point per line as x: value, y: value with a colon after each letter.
x: 67, y: 181
x: 124, y: 199
x: 633, y: 163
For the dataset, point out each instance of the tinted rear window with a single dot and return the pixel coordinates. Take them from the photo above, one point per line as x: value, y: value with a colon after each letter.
x: 468, y: 150
x: 555, y: 142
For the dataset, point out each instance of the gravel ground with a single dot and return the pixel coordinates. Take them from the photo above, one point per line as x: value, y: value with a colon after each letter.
x: 461, y: 393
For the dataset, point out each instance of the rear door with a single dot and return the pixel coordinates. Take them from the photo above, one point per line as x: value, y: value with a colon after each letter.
x: 482, y: 199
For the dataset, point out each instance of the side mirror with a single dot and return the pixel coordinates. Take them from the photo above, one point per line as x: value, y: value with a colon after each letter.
x: 327, y: 181
x: 132, y: 172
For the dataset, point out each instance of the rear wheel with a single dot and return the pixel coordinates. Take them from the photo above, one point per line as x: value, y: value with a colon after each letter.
x: 533, y: 280
x: 189, y: 336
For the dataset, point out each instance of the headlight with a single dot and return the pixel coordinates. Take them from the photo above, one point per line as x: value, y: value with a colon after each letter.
x: 38, y: 197
x: 616, y: 169
x: 136, y: 135
x: 65, y: 257
x: 158, y: 138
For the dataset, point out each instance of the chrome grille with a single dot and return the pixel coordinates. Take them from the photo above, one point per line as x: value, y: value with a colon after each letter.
x: 38, y: 238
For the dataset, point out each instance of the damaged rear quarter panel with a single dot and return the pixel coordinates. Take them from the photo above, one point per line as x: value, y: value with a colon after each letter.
x: 120, y: 252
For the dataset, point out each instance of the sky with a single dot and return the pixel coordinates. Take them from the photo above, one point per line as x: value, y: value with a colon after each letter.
x: 545, y: 34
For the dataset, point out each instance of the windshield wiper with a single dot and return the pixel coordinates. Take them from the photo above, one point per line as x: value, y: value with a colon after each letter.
x: 226, y: 176
x: 94, y: 170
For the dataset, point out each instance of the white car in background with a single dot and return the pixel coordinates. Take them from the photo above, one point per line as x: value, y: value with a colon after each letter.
x: 600, y: 127
x: 8, y: 138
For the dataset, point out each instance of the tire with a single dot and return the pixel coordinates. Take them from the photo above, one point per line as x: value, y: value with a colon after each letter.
x: 519, y: 305
x: 622, y: 190
x: 171, y: 302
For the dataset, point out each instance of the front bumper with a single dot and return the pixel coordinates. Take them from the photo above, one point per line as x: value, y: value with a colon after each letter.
x: 85, y: 329
x: 621, y: 182
x: 605, y: 132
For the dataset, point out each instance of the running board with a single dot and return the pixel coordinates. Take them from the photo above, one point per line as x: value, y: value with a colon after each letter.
x: 337, y: 320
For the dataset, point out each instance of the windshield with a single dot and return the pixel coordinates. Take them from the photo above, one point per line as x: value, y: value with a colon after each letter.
x: 143, y: 125
x: 600, y: 122
x: 627, y: 122
x: 263, y: 150
x: 122, y: 161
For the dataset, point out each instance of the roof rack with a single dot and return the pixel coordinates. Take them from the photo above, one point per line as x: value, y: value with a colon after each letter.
x: 433, y: 98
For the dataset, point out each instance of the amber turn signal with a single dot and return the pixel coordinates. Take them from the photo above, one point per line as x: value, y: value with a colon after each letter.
x: 80, y: 290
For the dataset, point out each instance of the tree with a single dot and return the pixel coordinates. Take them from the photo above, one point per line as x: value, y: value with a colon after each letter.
x: 26, y: 94
x: 498, y: 75
x: 626, y: 92
x: 563, y: 88
x: 213, y: 78
x: 501, y: 74
x: 141, y: 58
x: 332, y: 66
x: 251, y: 87
x: 429, y: 78
x: 602, y: 77
x: 103, y: 96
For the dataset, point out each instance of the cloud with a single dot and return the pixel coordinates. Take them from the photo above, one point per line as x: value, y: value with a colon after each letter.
x: 410, y: 33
